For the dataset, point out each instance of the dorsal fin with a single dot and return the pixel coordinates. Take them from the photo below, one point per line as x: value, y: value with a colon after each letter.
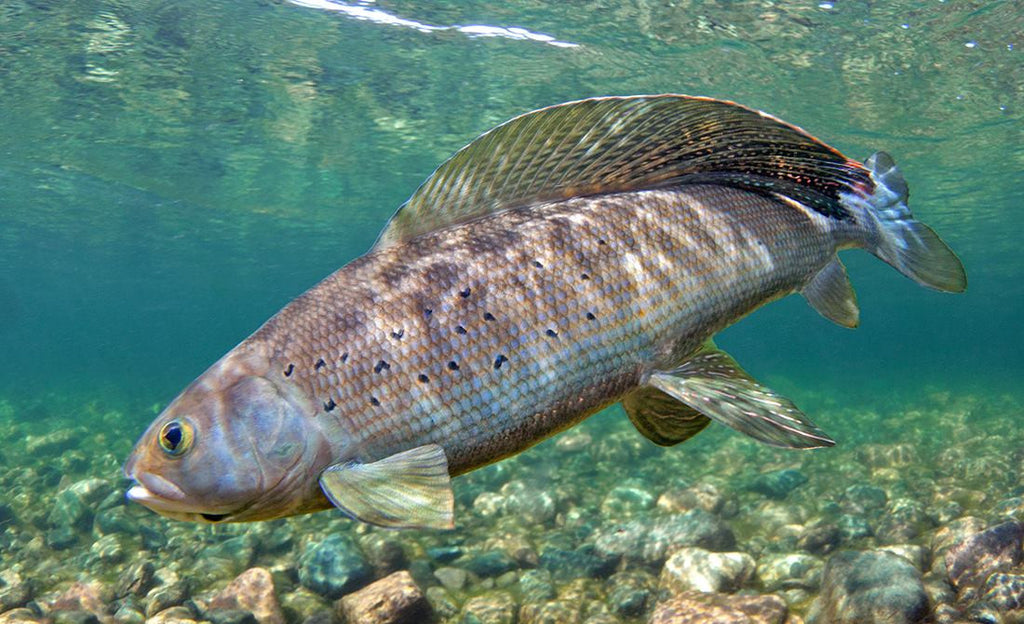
x: 617, y: 144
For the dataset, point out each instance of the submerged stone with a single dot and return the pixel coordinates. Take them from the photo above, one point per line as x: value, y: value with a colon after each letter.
x: 872, y: 586
x: 970, y: 562
x: 702, y: 570
x: 497, y: 607
x: 490, y: 563
x: 699, y: 608
x: 334, y: 567
x: 394, y: 599
x: 583, y: 562
x: 777, y: 484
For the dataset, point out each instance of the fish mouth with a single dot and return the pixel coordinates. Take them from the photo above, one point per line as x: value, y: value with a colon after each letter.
x: 160, y: 495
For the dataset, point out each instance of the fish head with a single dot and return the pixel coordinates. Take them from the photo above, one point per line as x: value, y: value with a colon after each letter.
x: 236, y: 445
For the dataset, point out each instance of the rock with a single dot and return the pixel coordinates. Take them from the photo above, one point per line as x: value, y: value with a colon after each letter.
x: 61, y: 538
x: 384, y: 553
x: 583, y: 562
x: 441, y: 602
x: 452, y: 579
x: 626, y: 501
x: 862, y: 498
x: 1003, y: 594
x: 573, y: 441
x: 69, y: 511
x: 498, y: 607
x: 20, y: 615
x: 701, y: 496
x: 489, y: 504
x: 878, y: 456
x: 630, y: 592
x: 536, y: 586
x: 553, y: 612
x: 334, y: 567
x: 904, y: 520
x: 136, y: 580
x: 790, y: 571
x: 532, y: 504
x: 54, y: 443
x: 108, y: 549
x: 490, y: 563
x: 129, y: 614
x: 777, y: 484
x: 15, y: 592
x: 701, y: 570
x: 115, y: 520
x: 853, y: 526
x: 74, y: 617
x: 394, y: 599
x: 970, y: 562
x: 701, y: 608
x: 173, y: 615
x: 80, y: 597
x: 251, y: 591
x: 820, y: 539
x: 444, y: 554
x: 872, y: 586
x: 917, y: 555
x: 649, y: 540
x: 229, y: 616
x: 165, y: 596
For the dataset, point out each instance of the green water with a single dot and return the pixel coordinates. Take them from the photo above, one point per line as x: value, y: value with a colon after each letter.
x: 172, y: 173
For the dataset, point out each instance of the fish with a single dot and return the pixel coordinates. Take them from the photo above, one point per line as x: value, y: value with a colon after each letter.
x: 571, y: 258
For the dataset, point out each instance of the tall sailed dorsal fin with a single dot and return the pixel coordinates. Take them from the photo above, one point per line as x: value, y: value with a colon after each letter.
x: 617, y: 144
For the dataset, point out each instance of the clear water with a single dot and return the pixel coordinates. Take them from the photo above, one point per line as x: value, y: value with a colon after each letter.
x: 172, y: 173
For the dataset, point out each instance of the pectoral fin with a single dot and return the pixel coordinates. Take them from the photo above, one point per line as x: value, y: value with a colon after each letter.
x: 830, y: 293
x: 661, y: 418
x: 712, y: 383
x: 409, y: 490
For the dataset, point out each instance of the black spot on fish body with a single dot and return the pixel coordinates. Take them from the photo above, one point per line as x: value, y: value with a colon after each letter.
x: 288, y: 371
x: 602, y: 241
x: 381, y: 366
x: 459, y: 329
x: 590, y: 316
x: 397, y: 335
x: 551, y: 333
x: 344, y: 357
x: 585, y: 276
x: 423, y: 379
x: 374, y: 401
x: 427, y: 312
x: 498, y: 361
x: 213, y: 517
x: 488, y: 316
x: 465, y: 292
x: 453, y: 365
x: 537, y: 264
x: 329, y: 405
x: 319, y: 364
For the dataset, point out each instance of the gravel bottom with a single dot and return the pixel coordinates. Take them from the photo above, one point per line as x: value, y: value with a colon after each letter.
x: 916, y: 516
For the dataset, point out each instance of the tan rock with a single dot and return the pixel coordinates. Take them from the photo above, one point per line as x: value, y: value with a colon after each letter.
x: 252, y: 591
x: 394, y: 599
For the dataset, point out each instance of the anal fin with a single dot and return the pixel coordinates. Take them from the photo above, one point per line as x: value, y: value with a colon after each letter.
x: 408, y: 490
x: 830, y: 293
x: 661, y: 418
x: 713, y: 384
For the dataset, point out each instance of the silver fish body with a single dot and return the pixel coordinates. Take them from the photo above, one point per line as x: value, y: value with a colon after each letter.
x: 452, y: 346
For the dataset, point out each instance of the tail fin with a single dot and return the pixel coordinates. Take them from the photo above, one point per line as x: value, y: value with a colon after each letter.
x: 909, y: 246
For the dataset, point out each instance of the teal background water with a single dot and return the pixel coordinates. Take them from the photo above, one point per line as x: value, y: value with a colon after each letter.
x: 172, y: 173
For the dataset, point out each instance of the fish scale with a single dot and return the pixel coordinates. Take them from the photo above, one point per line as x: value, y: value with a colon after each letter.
x: 480, y: 414
x: 575, y: 256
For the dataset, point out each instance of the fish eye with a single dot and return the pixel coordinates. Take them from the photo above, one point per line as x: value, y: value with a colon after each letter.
x: 176, y: 437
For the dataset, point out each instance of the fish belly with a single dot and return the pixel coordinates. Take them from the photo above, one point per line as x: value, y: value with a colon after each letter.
x: 487, y: 337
